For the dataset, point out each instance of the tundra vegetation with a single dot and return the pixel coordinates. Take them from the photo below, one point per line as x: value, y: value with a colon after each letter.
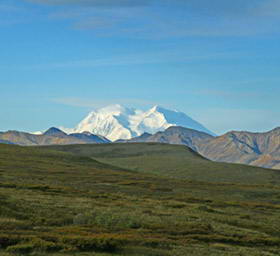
x: 139, y: 200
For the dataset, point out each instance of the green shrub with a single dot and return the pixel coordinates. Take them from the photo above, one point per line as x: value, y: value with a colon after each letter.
x: 109, y: 219
x: 101, y: 243
x: 21, y: 248
x: 35, y: 244
x: 112, y: 220
x: 8, y: 240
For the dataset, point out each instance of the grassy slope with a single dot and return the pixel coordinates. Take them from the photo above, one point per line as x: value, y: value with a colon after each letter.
x: 55, y: 203
x: 172, y: 161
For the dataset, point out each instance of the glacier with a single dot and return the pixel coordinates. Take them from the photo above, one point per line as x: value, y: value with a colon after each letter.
x: 116, y: 122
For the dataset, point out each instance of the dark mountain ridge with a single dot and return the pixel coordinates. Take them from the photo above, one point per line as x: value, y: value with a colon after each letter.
x: 52, y: 136
x: 258, y: 149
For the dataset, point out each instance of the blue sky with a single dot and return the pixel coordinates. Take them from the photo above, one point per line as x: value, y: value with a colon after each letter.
x: 217, y: 61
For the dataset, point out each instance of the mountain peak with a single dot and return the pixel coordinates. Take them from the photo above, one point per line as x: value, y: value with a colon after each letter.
x: 114, y: 109
x: 117, y: 122
x: 155, y: 108
x: 53, y: 131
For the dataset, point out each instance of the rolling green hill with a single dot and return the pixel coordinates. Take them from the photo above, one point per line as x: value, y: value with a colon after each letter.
x: 64, y: 204
x: 175, y: 161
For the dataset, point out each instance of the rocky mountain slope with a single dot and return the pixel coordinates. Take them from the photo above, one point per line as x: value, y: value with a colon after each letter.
x: 50, y: 137
x: 258, y: 149
x: 116, y: 122
x: 176, y: 135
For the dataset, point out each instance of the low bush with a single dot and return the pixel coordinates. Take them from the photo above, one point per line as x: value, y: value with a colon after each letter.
x: 36, y: 244
x: 102, y: 243
x: 21, y: 248
x: 109, y: 219
x: 8, y: 240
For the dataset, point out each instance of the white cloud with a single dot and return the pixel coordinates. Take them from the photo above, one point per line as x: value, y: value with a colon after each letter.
x: 269, y: 8
x: 98, y: 103
x: 164, y: 57
x: 157, y: 19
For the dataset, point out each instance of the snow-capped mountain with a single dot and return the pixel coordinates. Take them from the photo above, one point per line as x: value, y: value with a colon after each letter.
x: 117, y: 122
